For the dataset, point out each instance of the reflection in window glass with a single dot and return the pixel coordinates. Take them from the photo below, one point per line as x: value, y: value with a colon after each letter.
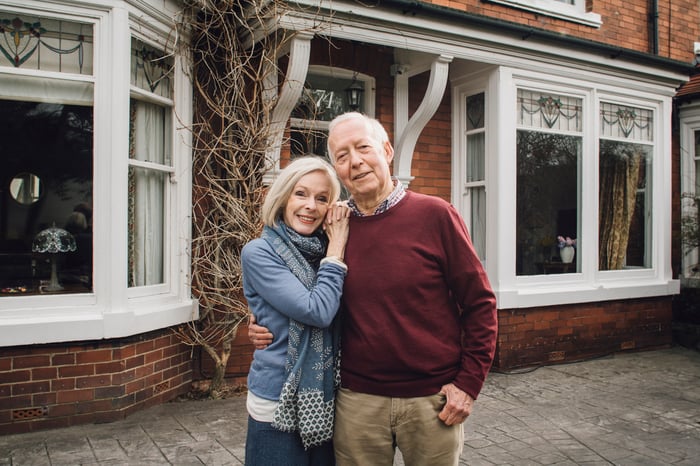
x: 323, y: 98
x: 548, y: 180
x: 625, y: 187
x: 46, y: 181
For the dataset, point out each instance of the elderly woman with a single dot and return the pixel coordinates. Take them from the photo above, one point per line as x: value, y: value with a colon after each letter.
x: 293, y: 279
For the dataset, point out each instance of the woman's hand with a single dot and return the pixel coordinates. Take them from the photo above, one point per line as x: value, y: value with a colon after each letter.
x: 337, y: 227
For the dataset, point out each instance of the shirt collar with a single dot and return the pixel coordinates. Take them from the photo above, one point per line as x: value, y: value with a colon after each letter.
x: 396, y: 195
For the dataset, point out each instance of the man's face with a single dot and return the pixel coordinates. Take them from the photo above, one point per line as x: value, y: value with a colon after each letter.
x: 361, y: 162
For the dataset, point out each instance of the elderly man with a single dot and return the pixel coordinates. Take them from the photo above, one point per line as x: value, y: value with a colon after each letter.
x: 418, y: 313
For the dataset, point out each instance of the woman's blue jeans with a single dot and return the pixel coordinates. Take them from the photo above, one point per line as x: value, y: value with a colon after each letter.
x: 267, y: 446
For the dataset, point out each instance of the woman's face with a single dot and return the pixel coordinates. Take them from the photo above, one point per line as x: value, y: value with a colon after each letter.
x: 308, y: 202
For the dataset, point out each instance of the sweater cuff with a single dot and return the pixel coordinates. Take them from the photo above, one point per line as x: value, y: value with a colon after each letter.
x: 334, y: 260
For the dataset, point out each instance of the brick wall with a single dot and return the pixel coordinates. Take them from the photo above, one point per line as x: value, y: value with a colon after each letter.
x: 625, y: 23
x: 553, y: 334
x: 59, y: 385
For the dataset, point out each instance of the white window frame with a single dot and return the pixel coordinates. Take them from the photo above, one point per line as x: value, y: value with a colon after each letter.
x: 575, y: 13
x: 588, y: 284
x: 461, y: 188
x: 689, y: 125
x: 112, y: 309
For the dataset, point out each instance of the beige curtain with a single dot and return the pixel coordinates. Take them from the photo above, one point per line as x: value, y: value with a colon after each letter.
x: 619, y: 176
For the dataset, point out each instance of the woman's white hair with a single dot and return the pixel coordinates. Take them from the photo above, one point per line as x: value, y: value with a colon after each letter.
x: 375, y: 130
x: 281, y: 188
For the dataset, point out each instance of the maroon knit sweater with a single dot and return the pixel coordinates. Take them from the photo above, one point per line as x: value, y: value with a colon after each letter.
x: 414, y: 286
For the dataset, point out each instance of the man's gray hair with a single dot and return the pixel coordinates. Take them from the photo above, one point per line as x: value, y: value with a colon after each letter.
x: 375, y: 130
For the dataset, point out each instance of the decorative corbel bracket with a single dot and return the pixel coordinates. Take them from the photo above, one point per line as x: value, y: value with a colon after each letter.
x: 287, y: 97
x: 407, y: 131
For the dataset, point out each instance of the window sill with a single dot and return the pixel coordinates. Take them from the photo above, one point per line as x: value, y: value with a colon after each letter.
x: 90, y: 323
x: 570, y: 292
x: 554, y: 10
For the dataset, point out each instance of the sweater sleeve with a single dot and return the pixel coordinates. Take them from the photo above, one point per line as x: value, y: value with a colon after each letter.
x: 267, y: 277
x: 472, y: 291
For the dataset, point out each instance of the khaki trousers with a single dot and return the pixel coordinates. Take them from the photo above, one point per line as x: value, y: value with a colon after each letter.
x: 368, y: 428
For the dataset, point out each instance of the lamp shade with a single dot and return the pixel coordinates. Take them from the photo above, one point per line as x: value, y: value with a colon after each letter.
x: 54, y: 240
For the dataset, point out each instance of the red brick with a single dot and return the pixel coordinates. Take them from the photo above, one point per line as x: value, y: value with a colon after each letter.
x: 103, y: 355
x: 67, y: 409
x: 23, y: 362
x: 16, y: 376
x: 44, y: 373
x: 31, y: 387
x: 110, y: 392
x: 76, y: 371
x: 63, y: 359
x: 93, y: 381
x: 5, y: 364
x: 110, y: 367
x: 122, y: 378
x: 66, y: 383
x: 44, y: 399
x: 75, y: 395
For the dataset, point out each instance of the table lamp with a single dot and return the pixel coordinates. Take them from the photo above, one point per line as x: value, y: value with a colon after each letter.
x: 53, y: 241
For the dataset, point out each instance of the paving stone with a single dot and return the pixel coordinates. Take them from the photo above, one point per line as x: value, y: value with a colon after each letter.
x: 627, y: 409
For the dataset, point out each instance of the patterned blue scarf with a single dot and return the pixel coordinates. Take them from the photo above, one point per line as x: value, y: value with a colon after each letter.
x: 307, y: 401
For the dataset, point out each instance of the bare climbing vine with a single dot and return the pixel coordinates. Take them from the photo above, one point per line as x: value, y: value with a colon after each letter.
x: 232, y: 48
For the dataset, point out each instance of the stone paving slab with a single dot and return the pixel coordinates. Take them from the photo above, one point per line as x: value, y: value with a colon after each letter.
x: 625, y: 409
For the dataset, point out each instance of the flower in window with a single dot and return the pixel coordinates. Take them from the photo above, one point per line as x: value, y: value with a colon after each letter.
x: 563, y: 242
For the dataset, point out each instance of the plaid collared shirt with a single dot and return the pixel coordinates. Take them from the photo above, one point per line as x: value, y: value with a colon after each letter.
x: 396, y: 195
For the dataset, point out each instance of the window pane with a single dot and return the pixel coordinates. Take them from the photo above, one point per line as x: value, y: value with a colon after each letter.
x: 309, y: 142
x: 151, y: 69
x: 151, y: 133
x: 548, y: 180
x: 624, y: 209
x: 146, y: 222
x: 31, y: 42
x: 547, y: 203
x: 475, y: 111
x: 618, y: 121
x: 46, y: 182
x: 149, y: 142
x: 477, y: 229
x: 323, y: 98
x: 549, y: 111
x: 475, y: 157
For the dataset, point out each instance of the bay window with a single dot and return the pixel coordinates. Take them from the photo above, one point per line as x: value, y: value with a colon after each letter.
x: 95, y: 190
